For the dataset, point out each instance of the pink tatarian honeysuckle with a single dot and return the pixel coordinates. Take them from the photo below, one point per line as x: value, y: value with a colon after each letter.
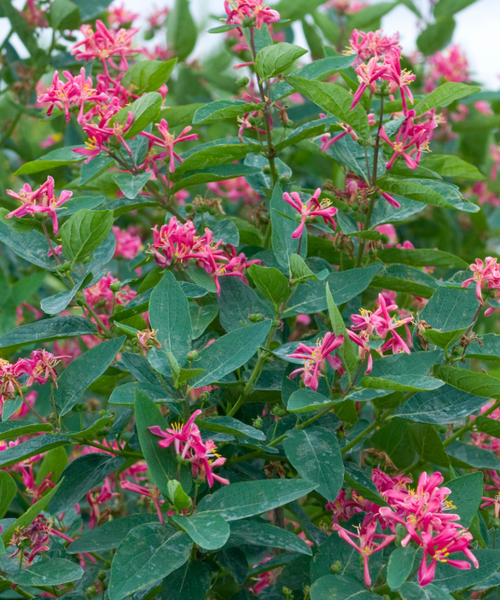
x: 189, y: 445
x: 398, y: 78
x: 449, y: 65
x: 128, y: 243
x: 311, y: 208
x: 152, y: 493
x: 74, y: 92
x: 495, y: 155
x: 368, y: 74
x: 369, y: 542
x: 316, y: 358
x: 167, y: 143
x: 41, y: 201
x: 349, y: 7
x: 484, y: 273
x: 240, y: 10
x: 372, y: 44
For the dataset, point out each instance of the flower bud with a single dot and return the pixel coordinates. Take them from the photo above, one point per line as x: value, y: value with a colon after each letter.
x: 281, y: 413
x: 283, y: 179
x: 64, y: 268
x: 255, y: 318
x: 91, y: 590
x: 242, y: 82
x: 102, y: 575
x: 267, y: 169
x: 457, y: 351
x: 103, y: 412
x: 258, y: 423
x: 115, y: 286
x: 336, y: 567
x: 276, y: 409
x: 385, y: 238
x: 189, y: 208
x: 204, y: 396
x: 276, y: 323
x: 193, y: 355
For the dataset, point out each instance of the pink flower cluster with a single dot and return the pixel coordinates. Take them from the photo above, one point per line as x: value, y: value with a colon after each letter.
x: 118, y: 15
x: 42, y: 201
x: 312, y: 208
x: 235, y: 190
x: 348, y: 7
x: 370, y: 45
x: 189, y: 445
x: 424, y: 513
x: 166, y: 142
x: 383, y: 325
x: 176, y: 243
x: 485, y: 275
x: 239, y: 11
x: 128, y: 243
x: 40, y: 368
x: 102, y: 299
x: 316, y: 359
x: 449, y: 65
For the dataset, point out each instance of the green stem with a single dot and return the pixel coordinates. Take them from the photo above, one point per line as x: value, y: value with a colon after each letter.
x: 23, y: 592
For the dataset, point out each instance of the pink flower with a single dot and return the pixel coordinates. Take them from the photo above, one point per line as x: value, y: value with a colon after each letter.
x: 327, y: 140
x: 239, y: 10
x: 97, y: 498
x: 234, y: 190
x: 349, y: 7
x: 51, y: 140
x: 390, y: 231
x: 362, y: 340
x: 128, y: 243
x: 157, y: 17
x: 313, y: 208
x: 397, y: 78
x: 316, y: 358
x: 75, y: 92
x: 178, y: 435
x: 370, y: 45
x: 366, y: 546
x: 368, y: 74
x: 167, y: 142
x: 40, y: 367
x: 42, y: 201
x: 104, y: 44
x: 484, y: 272
x: 118, y: 15
x: 448, y: 65
x: 152, y: 493
x: 495, y: 155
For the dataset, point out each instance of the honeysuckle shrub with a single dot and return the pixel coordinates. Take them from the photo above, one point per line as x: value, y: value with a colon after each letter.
x: 249, y: 306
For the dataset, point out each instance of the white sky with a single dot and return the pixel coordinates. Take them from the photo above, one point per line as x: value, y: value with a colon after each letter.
x: 477, y: 31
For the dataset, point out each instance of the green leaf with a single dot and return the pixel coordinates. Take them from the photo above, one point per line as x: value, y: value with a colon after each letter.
x: 435, y: 37
x: 469, y: 381
x: 318, y: 69
x: 84, y: 232
x: 169, y: 315
x: 221, y: 109
x: 400, y: 566
x: 208, y: 530
x: 315, y: 453
x: 488, y: 426
x: 443, y: 339
x: 448, y: 165
x: 130, y: 184
x: 346, y: 352
x: 447, y: 8
x: 464, y: 456
x: 403, y: 278
x: 356, y: 479
x: 254, y: 533
x: 147, y: 554
x: 450, y: 309
x: 46, y: 330
x: 413, y: 591
x: 237, y: 301
x: 52, y: 160
x: 161, y: 462
x: 305, y: 400
x: 145, y: 109
x: 215, y: 173
x: 485, y: 347
x: 218, y: 152
x: 48, y: 572
x: 409, y: 188
x: 10, y: 430
x: 53, y: 464
x: 282, y: 228
x: 271, y: 283
x: 230, y: 352
x: 64, y: 15
x: 340, y: 588
x: 466, y: 495
x: 310, y: 297
x: 83, y: 371
x: 249, y: 498
x: 273, y: 60
x: 428, y: 444
x: 442, y: 406
x: 177, y: 495
x: 29, y: 516
x: 334, y: 99
x: 8, y: 491
x: 80, y: 476
x: 230, y: 426
x: 192, y: 581
x: 181, y: 29
x: 370, y: 14
x: 445, y: 94
x: 35, y: 445
x: 148, y: 75
x: 402, y: 383
x: 450, y: 579
x: 311, y: 129
x: 421, y: 258
x: 201, y: 316
x: 90, y: 9
x: 301, y: 272
x: 109, y: 535
x: 31, y: 246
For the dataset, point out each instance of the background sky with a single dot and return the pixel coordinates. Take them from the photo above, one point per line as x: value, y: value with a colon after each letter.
x: 477, y: 31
